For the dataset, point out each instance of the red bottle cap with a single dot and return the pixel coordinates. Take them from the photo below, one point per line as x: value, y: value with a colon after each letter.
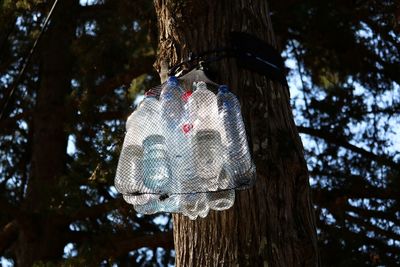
x: 149, y: 93
x: 187, y: 127
x: 186, y: 95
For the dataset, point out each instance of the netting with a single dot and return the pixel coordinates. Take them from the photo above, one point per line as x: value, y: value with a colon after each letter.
x: 184, y: 152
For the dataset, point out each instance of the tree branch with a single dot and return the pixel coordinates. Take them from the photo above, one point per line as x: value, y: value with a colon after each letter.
x: 94, y: 11
x: 7, y: 235
x: 11, y: 122
x: 107, y: 9
x: 7, y: 207
x: 361, y: 238
x: 337, y: 140
x: 139, y: 66
x: 370, y: 227
x: 326, y: 196
x: 357, y: 186
x: 122, y: 244
x: 95, y: 211
x: 368, y: 213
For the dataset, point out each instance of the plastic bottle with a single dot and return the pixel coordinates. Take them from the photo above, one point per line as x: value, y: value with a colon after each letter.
x: 239, y: 164
x: 156, y: 164
x: 172, y: 103
x: 191, y: 182
x: 172, y: 113
x: 195, y: 205
x: 160, y: 204
x: 129, y: 176
x: 221, y: 200
x: 206, y: 140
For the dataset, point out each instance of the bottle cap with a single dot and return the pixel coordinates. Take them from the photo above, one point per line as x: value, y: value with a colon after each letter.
x: 223, y: 88
x: 172, y: 81
x: 149, y: 94
x: 201, y: 85
x: 187, y: 127
x: 186, y: 95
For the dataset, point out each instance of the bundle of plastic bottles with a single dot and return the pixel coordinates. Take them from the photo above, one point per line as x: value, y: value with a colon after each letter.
x: 184, y: 152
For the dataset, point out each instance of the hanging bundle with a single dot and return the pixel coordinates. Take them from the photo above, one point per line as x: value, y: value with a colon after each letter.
x: 186, y: 151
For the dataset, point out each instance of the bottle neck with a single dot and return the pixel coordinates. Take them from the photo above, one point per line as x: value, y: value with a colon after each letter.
x: 201, y: 86
x: 172, y: 81
x: 223, y: 89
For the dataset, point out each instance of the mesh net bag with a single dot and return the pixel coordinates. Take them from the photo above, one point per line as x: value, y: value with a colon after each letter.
x: 184, y: 152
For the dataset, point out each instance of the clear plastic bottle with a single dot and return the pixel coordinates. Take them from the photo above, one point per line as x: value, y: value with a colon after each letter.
x: 156, y: 163
x: 172, y: 113
x: 221, y: 200
x: 195, y: 205
x: 206, y: 140
x: 160, y: 204
x: 171, y: 204
x: 128, y: 179
x: 151, y: 207
x: 239, y: 164
x: 129, y: 175
x: 191, y: 182
x: 172, y: 105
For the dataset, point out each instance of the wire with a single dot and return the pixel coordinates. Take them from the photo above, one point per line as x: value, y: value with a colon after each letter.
x: 200, y: 57
x: 269, y: 67
x: 27, y: 59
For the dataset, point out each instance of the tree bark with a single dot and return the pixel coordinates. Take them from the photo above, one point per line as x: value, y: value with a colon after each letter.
x: 41, y: 225
x: 273, y: 223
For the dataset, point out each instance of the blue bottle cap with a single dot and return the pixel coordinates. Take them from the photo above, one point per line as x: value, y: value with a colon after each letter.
x: 223, y: 88
x: 172, y: 81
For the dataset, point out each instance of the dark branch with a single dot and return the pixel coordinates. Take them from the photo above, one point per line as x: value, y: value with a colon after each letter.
x: 94, y: 12
x: 370, y: 227
x: 337, y: 140
x: 7, y: 235
x: 326, y: 196
x: 95, y: 211
x: 122, y: 244
x: 7, y: 208
x: 361, y: 238
x: 139, y: 66
x: 11, y: 122
x: 368, y: 213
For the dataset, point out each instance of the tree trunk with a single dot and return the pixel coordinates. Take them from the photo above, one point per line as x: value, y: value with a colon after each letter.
x: 41, y: 226
x: 273, y: 223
